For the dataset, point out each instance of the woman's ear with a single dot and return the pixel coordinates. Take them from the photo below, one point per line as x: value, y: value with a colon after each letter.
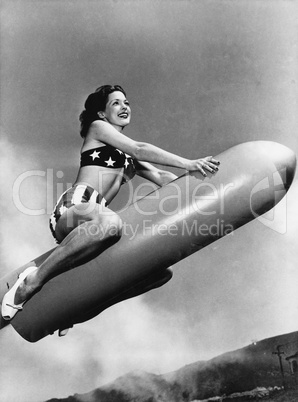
x: 101, y: 115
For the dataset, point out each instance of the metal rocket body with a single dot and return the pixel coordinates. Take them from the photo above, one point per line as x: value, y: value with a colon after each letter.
x: 158, y: 231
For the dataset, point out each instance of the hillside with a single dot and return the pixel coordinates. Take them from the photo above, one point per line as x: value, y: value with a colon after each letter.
x: 234, y: 372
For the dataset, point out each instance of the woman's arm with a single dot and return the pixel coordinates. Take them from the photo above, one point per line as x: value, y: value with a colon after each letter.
x: 146, y: 152
x: 153, y: 174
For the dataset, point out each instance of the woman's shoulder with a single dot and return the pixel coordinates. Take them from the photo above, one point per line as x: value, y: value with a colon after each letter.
x: 96, y: 128
x: 99, y: 130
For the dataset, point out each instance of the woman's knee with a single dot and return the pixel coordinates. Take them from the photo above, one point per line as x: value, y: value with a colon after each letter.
x: 114, y: 224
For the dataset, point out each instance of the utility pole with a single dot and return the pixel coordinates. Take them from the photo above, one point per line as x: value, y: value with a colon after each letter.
x: 279, y: 353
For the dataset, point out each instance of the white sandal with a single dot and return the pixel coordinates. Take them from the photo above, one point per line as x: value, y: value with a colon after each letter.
x: 9, y: 309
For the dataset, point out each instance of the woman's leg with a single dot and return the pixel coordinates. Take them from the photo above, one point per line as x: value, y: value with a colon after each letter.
x: 87, y: 230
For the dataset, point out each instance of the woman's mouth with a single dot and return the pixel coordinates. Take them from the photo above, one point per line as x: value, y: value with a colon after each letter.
x: 123, y: 115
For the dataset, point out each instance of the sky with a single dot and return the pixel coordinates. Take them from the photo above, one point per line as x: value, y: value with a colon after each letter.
x: 201, y: 77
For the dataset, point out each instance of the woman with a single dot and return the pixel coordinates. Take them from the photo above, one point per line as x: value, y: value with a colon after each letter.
x: 81, y: 223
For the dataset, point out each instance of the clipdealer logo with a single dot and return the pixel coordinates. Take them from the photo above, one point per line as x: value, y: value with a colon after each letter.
x: 274, y: 189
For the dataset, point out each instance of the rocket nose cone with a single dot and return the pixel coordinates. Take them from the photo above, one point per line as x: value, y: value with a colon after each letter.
x: 283, y: 158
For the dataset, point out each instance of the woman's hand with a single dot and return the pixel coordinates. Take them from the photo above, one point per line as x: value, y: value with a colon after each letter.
x: 203, y: 164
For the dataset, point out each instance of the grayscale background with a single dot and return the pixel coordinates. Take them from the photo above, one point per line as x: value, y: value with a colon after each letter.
x: 201, y: 76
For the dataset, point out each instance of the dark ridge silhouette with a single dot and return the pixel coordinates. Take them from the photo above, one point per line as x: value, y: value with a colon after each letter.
x: 234, y: 372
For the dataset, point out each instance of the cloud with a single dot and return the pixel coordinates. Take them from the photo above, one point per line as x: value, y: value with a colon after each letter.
x: 23, y: 191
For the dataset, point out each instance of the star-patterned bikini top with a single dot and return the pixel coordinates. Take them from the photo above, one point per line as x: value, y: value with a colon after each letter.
x: 110, y: 157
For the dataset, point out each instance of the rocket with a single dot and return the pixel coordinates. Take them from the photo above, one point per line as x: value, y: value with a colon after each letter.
x: 160, y: 230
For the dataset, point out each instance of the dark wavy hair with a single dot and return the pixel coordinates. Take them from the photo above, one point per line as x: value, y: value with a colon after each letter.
x: 96, y: 102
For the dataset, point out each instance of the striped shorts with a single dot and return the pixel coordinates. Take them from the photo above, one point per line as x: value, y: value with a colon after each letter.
x: 75, y: 195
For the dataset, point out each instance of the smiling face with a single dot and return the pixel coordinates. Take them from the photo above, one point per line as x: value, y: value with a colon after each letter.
x: 117, y: 111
